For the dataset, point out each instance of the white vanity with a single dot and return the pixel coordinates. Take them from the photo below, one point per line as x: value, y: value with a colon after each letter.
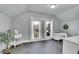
x: 59, y: 36
x: 71, y: 45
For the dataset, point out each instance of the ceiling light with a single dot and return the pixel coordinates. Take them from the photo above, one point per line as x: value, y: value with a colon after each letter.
x: 52, y: 5
x: 36, y: 22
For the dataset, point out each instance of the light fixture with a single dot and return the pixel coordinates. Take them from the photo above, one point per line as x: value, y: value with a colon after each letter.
x: 52, y: 5
x: 36, y: 22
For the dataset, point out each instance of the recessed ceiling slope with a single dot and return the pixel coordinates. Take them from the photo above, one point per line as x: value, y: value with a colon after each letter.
x: 68, y: 15
x: 12, y: 10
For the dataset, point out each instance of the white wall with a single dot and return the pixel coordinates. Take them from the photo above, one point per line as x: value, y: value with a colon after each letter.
x: 70, y: 17
x: 57, y: 25
x: 4, y: 22
x: 73, y: 27
x: 22, y: 22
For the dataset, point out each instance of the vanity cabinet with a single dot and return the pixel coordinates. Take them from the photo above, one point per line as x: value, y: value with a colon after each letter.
x: 59, y: 36
x: 70, y: 47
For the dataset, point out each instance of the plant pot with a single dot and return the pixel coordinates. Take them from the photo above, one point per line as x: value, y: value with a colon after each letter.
x: 7, y: 51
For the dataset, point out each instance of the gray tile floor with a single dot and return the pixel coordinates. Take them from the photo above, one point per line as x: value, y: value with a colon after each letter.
x: 43, y: 47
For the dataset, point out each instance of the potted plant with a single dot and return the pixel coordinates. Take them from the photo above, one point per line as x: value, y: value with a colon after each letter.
x: 6, y: 38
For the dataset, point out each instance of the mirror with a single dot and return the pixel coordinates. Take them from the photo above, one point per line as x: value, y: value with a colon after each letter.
x: 48, y: 28
x: 35, y: 29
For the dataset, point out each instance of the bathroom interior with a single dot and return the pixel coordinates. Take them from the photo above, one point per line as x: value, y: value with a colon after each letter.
x: 40, y: 28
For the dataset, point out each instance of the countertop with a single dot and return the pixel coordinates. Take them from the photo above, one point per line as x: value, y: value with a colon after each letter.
x: 74, y: 39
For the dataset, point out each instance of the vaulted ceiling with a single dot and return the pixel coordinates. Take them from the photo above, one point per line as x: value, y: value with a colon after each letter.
x: 46, y: 9
x: 13, y: 10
